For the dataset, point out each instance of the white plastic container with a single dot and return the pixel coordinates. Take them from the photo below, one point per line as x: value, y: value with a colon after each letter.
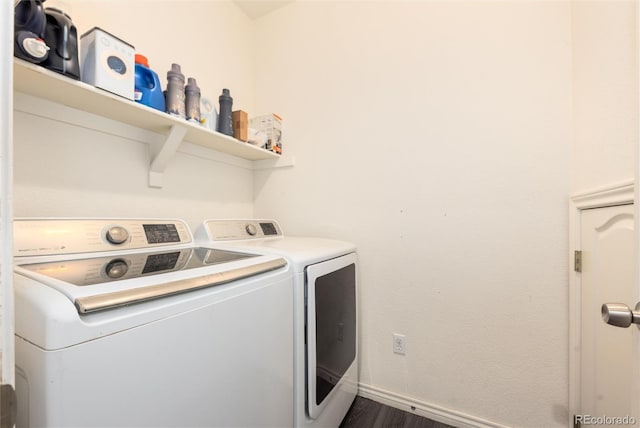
x: 108, y: 62
x: 208, y: 114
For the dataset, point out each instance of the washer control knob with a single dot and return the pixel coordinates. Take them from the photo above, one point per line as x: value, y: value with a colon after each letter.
x: 251, y: 229
x: 117, y: 235
x: 116, y: 268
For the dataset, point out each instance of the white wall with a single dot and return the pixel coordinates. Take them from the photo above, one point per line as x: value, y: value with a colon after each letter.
x: 605, y: 93
x: 69, y: 170
x: 437, y: 137
x: 211, y: 40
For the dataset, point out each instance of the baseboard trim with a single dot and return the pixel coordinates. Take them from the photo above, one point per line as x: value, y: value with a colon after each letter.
x: 427, y: 410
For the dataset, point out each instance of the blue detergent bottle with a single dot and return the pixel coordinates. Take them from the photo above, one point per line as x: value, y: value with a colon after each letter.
x: 147, y: 87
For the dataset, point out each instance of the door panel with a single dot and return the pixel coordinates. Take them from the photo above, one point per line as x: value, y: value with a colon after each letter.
x: 608, y: 354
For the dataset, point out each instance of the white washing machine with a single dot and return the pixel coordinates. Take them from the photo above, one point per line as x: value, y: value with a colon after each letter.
x: 325, y: 312
x: 126, y: 323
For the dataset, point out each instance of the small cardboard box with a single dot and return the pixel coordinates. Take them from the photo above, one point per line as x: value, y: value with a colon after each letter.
x: 240, y: 121
x: 271, y: 125
x: 108, y: 62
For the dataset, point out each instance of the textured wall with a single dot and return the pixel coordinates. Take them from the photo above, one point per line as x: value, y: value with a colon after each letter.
x: 605, y: 93
x: 437, y: 137
x: 211, y: 40
x: 92, y: 168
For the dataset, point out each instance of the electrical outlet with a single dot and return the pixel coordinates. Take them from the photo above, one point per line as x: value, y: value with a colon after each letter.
x: 399, y: 345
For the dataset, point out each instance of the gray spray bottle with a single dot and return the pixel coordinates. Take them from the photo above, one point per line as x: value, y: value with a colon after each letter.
x: 225, y: 121
x: 175, y: 92
x: 192, y: 100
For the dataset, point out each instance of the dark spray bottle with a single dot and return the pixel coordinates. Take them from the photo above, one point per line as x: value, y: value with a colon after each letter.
x: 225, y: 121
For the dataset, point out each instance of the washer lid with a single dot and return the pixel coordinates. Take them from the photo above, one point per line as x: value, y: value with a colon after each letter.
x: 300, y: 251
x: 100, y: 270
x: 98, y: 283
x: 266, y: 237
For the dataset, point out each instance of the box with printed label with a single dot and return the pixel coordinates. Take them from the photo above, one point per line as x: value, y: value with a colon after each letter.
x: 271, y: 125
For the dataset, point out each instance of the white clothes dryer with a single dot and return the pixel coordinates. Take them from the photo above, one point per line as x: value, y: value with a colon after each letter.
x: 126, y: 323
x: 325, y: 312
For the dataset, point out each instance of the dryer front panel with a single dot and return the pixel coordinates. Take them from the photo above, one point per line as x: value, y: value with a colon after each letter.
x: 331, y: 315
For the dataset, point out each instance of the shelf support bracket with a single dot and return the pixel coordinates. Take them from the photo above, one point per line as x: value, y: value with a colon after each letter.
x: 165, y: 154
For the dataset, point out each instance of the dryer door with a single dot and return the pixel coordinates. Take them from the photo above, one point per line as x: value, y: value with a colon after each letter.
x: 331, y: 314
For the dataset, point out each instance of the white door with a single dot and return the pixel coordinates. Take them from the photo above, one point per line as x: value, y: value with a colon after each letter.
x: 7, y: 398
x: 609, y: 354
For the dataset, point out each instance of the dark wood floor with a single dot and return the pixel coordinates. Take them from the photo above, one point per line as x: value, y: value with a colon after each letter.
x: 365, y: 413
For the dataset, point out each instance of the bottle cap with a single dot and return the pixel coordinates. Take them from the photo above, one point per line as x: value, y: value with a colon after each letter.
x: 141, y: 59
x: 192, y: 86
x: 175, y: 72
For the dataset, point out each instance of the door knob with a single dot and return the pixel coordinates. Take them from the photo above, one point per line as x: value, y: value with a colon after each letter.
x: 620, y: 315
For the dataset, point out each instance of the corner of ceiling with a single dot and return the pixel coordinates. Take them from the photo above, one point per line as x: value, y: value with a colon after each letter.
x: 255, y: 9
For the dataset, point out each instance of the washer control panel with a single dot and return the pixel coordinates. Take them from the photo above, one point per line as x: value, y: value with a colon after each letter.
x: 228, y: 230
x: 39, y: 237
